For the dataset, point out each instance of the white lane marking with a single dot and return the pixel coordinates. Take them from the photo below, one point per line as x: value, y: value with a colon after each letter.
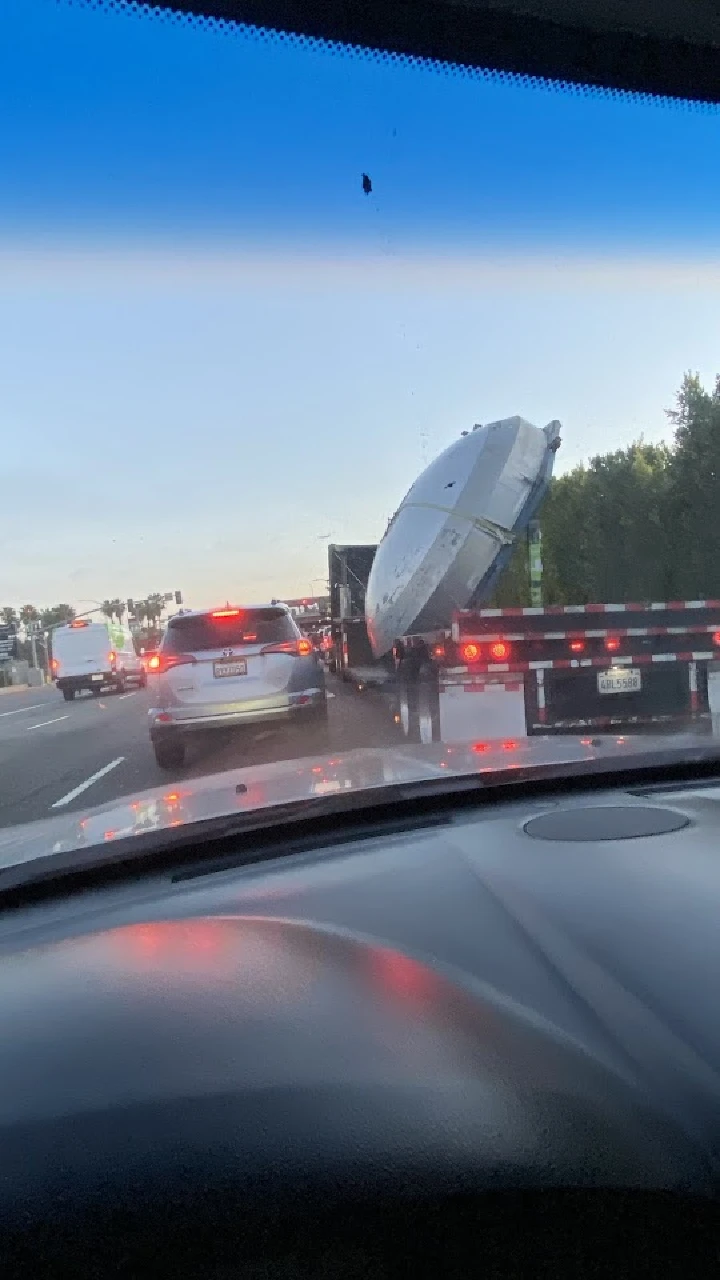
x: 42, y: 723
x: 19, y: 710
x: 87, y: 783
x: 131, y: 694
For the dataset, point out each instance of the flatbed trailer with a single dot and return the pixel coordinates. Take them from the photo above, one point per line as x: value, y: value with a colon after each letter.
x: 559, y: 669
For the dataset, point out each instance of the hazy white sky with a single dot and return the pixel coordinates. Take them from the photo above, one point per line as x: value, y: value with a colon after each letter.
x: 181, y: 410
x: 201, y: 418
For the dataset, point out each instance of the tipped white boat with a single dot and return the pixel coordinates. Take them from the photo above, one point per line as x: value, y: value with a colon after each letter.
x: 454, y: 532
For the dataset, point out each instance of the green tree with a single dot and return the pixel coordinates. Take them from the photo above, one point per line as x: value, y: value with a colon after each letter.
x: 605, y: 529
x: 29, y: 614
x: 155, y: 604
x: 56, y: 615
x: 141, y: 611
x: 9, y: 615
x: 694, y: 497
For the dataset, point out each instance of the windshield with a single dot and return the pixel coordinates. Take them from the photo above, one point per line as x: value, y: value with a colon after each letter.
x: 376, y: 400
x: 195, y: 633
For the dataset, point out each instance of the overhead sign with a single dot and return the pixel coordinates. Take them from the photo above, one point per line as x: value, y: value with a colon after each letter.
x: 8, y: 642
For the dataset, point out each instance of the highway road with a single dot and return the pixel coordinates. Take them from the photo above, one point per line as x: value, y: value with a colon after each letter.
x: 57, y: 757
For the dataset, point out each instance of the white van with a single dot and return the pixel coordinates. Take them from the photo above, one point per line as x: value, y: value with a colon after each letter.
x: 94, y: 656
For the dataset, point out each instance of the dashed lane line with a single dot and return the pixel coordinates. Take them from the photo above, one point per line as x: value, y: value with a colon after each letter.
x: 77, y: 791
x: 19, y: 710
x: 42, y: 723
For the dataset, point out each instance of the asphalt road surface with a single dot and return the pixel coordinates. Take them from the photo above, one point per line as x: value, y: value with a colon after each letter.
x: 57, y: 757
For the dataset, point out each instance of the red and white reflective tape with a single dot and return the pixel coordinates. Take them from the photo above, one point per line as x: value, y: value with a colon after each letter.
x: 540, y: 684
x: 486, y: 686
x: 554, y: 610
x: 565, y: 664
x: 589, y: 634
x: 692, y: 677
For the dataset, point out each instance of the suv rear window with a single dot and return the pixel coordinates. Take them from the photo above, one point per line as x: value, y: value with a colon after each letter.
x: 193, y: 634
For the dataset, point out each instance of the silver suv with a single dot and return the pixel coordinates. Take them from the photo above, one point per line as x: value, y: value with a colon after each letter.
x: 223, y: 668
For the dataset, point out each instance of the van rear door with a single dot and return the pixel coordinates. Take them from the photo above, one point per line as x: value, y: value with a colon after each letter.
x: 81, y: 650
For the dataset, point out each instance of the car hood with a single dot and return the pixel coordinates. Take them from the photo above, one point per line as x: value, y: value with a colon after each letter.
x: 79, y: 835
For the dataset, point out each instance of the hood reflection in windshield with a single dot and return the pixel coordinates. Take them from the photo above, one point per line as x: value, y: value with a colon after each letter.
x: 318, y: 482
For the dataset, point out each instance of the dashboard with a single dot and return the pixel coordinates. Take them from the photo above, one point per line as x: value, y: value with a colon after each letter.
x: 497, y: 1034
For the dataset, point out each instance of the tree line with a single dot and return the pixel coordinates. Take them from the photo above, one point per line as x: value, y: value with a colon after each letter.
x: 146, y: 612
x: 638, y: 524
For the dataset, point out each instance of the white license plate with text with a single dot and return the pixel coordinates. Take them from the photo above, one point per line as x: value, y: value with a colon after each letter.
x: 620, y: 680
x: 221, y: 669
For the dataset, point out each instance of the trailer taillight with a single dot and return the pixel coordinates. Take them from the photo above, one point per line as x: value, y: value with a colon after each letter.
x: 438, y: 651
x: 470, y: 652
x: 612, y: 644
x: 500, y: 651
x: 577, y: 646
x: 716, y: 638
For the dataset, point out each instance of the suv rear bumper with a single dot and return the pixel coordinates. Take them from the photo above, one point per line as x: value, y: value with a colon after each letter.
x: 174, y: 721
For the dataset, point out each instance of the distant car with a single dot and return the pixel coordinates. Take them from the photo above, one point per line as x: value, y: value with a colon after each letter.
x: 94, y: 656
x: 221, y: 669
x: 149, y: 659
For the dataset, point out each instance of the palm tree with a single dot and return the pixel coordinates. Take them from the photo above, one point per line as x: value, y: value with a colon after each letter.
x: 141, y: 610
x: 9, y: 615
x: 108, y: 608
x: 58, y: 614
x: 29, y: 614
x: 156, y: 604
x: 118, y: 608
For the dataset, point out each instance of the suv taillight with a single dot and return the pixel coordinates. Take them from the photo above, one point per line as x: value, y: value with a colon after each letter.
x: 299, y: 648
x: 162, y: 662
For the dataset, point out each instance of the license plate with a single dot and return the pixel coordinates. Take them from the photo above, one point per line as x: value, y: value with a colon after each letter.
x: 221, y: 669
x: 625, y: 680
x: 98, y: 678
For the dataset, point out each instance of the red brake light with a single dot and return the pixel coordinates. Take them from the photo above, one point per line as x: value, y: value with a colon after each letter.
x: 112, y: 657
x: 612, y: 644
x: 167, y: 661
x: 153, y: 663
x: 225, y: 613
x: 577, y: 646
x: 79, y: 622
x: 480, y: 747
x: 438, y: 651
x: 716, y: 638
x: 55, y: 664
x: 470, y: 652
x: 499, y: 651
x: 300, y: 647
x: 510, y: 745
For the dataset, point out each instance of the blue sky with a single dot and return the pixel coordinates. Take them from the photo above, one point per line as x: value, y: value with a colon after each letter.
x: 216, y: 350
